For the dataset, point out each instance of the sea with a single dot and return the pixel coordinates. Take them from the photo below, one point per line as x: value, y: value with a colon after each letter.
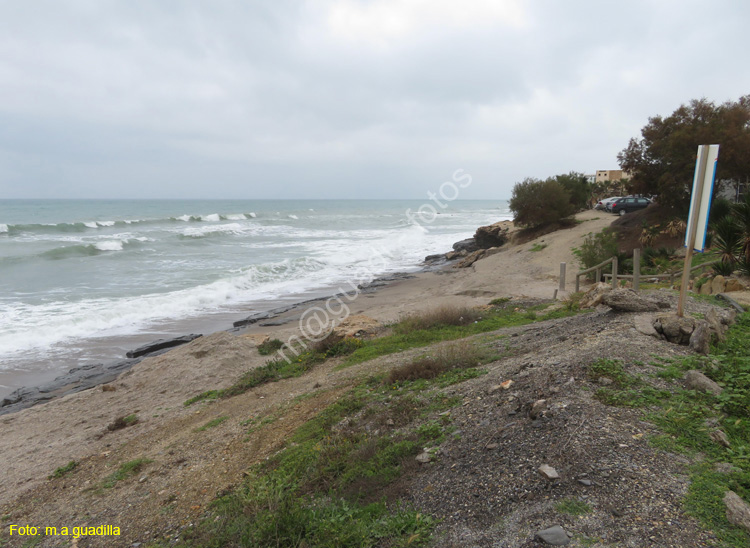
x: 83, y: 281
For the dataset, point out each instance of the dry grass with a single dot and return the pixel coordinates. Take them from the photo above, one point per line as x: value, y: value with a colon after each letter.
x: 438, y: 317
x: 455, y: 356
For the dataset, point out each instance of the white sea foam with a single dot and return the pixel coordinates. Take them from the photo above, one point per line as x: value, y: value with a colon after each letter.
x: 236, y: 217
x: 90, y: 224
x: 184, y: 218
x: 214, y: 217
x: 293, y: 217
x: 105, y: 223
x: 205, y: 231
x: 3, y: 228
x: 110, y: 245
x: 252, y: 215
x: 38, y: 327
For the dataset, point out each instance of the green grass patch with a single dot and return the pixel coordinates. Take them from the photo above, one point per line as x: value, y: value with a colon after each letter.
x: 537, y: 247
x: 573, y: 507
x: 270, y: 346
x: 621, y: 388
x: 63, y: 470
x: 124, y: 471
x: 211, y: 424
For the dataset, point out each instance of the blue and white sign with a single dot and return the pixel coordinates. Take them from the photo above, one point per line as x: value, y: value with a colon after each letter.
x: 700, y: 202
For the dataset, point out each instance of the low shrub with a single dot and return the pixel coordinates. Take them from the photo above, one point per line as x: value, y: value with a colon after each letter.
x: 437, y: 317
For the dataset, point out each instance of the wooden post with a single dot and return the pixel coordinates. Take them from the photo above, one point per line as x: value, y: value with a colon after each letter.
x: 614, y: 272
x: 701, y: 175
x: 578, y: 283
x: 637, y: 269
x: 562, y: 276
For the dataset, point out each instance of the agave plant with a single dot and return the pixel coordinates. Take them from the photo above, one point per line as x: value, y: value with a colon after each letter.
x: 724, y: 268
x: 648, y: 235
x: 728, y: 239
x: 675, y: 227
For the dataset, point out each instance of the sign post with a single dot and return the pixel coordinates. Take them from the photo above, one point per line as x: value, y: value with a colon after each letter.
x: 700, y: 206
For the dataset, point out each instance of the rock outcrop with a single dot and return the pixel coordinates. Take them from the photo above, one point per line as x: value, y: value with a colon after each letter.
x: 160, y: 344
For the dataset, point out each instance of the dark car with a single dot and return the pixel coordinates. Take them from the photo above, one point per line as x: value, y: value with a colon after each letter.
x: 626, y: 205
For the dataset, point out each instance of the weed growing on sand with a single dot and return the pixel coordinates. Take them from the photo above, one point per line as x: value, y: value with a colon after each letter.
x: 63, y: 470
x: 441, y: 360
x: 203, y: 396
x: 279, y: 368
x: 691, y: 423
x: 437, y: 317
x: 125, y: 470
x: 573, y: 507
x: 537, y: 247
x: 211, y: 424
x: 270, y: 346
x: 123, y: 422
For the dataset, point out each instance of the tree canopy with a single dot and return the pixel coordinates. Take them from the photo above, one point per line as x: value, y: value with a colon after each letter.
x: 535, y: 202
x: 663, y: 161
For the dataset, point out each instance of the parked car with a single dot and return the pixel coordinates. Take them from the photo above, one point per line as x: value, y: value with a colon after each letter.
x: 626, y: 205
x: 602, y: 204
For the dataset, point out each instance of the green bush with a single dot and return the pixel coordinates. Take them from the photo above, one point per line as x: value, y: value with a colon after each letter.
x: 597, y: 248
x: 536, y: 203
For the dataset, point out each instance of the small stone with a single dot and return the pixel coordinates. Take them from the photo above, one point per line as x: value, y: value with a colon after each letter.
x: 738, y: 511
x: 495, y: 388
x: 605, y: 381
x: 424, y: 457
x: 645, y: 324
x: 505, y: 385
x: 695, y: 380
x: 586, y: 482
x: 548, y: 472
x: 390, y: 422
x: 700, y: 338
x: 537, y: 409
x: 142, y: 479
x: 491, y: 446
x: 556, y: 536
x: 720, y: 437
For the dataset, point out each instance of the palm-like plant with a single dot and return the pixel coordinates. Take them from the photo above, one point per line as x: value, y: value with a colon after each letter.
x: 728, y: 239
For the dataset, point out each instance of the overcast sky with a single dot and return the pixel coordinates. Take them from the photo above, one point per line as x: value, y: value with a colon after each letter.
x: 342, y: 98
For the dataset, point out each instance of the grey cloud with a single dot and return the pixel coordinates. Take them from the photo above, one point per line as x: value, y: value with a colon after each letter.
x: 266, y: 99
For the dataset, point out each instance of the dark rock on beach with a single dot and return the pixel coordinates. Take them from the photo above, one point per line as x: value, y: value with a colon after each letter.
x: 75, y: 380
x: 494, y: 235
x: 161, y: 344
x: 469, y: 245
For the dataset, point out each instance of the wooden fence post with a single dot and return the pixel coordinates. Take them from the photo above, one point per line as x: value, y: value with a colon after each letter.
x: 637, y: 269
x: 562, y: 276
x: 614, y: 273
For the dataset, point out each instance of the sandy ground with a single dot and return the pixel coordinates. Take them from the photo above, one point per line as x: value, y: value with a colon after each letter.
x: 34, y: 442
